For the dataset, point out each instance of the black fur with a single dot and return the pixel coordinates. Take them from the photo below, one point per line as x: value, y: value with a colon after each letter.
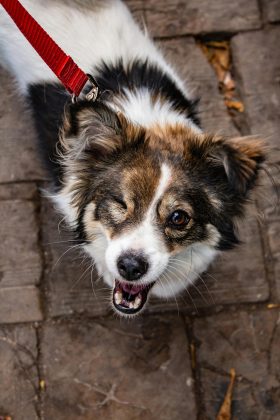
x: 117, y: 77
x: 48, y: 101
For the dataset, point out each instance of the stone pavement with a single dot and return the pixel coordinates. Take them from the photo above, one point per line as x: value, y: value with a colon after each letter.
x: 63, y: 355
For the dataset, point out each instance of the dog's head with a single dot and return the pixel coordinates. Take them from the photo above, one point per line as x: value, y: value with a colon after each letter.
x: 153, y: 206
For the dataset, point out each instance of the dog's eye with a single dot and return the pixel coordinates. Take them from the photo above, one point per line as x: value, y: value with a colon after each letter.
x: 120, y: 202
x: 178, y: 219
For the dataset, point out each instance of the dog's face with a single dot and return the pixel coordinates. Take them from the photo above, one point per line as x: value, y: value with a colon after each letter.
x: 153, y: 206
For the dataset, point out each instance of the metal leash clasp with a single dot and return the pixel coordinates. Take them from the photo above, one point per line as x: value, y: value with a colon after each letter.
x: 94, y: 92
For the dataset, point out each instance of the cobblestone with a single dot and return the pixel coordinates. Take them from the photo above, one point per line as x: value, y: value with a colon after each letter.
x: 249, y: 343
x: 20, y: 260
x: 19, y: 159
x: 175, y: 17
x: 118, y: 370
x: 18, y: 379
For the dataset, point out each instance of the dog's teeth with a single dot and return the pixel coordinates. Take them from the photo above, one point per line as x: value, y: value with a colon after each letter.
x: 118, y: 298
x: 131, y: 305
x: 137, y: 302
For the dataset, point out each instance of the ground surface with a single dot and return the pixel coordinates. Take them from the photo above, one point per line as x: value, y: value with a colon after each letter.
x: 62, y: 353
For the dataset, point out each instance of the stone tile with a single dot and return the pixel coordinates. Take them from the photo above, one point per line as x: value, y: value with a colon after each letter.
x: 68, y: 272
x: 273, y: 233
x: 19, y: 159
x: 174, y: 17
x: 252, y: 53
x: 187, y: 58
x: 20, y: 191
x: 18, y: 379
x: 118, y: 370
x: 249, y: 343
x: 271, y: 10
x: 20, y: 304
x: 20, y: 261
x: 257, y: 64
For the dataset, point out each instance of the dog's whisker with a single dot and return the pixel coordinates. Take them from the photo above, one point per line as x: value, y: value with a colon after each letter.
x: 64, y: 253
x: 80, y: 278
x: 184, y: 275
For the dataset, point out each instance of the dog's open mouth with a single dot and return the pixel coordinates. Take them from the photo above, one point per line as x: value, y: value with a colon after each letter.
x: 130, y: 299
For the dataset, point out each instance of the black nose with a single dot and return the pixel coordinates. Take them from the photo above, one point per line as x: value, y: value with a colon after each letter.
x: 132, y: 266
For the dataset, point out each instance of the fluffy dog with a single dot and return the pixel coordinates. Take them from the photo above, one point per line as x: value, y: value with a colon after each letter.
x: 151, y: 197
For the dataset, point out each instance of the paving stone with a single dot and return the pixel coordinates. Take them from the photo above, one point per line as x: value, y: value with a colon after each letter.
x: 20, y: 191
x: 249, y: 343
x: 257, y: 64
x: 20, y: 261
x: 67, y: 276
x: 19, y: 159
x: 20, y: 304
x: 118, y: 370
x: 273, y: 233
x: 271, y: 10
x: 187, y: 58
x: 18, y: 379
x: 176, y: 17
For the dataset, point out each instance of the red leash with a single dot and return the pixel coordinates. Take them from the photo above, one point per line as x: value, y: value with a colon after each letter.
x: 63, y: 66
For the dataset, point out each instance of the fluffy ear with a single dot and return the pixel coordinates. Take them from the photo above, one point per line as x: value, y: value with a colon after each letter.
x: 93, y: 128
x: 241, y: 158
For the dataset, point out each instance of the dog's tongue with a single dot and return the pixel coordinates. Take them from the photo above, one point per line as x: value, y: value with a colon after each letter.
x: 131, y: 289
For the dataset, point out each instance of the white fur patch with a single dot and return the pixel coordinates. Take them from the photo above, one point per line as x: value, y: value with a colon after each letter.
x: 143, y: 238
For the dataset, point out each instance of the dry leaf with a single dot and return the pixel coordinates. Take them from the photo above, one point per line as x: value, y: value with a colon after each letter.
x: 273, y: 305
x: 229, y: 82
x: 225, y: 410
x: 218, y: 55
x: 193, y: 358
x: 42, y: 384
x: 237, y: 105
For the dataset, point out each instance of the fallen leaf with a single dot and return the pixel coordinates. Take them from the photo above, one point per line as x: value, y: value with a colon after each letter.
x: 237, y: 105
x: 228, y: 81
x: 42, y: 384
x: 193, y: 358
x: 218, y: 55
x: 273, y: 305
x: 225, y: 410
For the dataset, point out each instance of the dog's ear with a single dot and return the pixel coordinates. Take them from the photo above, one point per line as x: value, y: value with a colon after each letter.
x: 241, y: 158
x: 93, y: 128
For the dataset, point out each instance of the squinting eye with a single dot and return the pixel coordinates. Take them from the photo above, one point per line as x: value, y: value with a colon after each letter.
x: 178, y: 218
x: 121, y: 202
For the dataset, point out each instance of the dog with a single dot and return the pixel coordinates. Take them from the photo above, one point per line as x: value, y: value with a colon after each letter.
x: 151, y: 197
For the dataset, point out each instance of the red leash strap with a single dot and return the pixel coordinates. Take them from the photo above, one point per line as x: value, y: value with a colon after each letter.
x: 72, y: 77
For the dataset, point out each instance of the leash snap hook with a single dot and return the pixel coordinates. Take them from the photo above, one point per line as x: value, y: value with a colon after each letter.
x: 94, y: 92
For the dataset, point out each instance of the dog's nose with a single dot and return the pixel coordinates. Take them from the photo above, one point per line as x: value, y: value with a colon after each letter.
x: 131, y: 266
